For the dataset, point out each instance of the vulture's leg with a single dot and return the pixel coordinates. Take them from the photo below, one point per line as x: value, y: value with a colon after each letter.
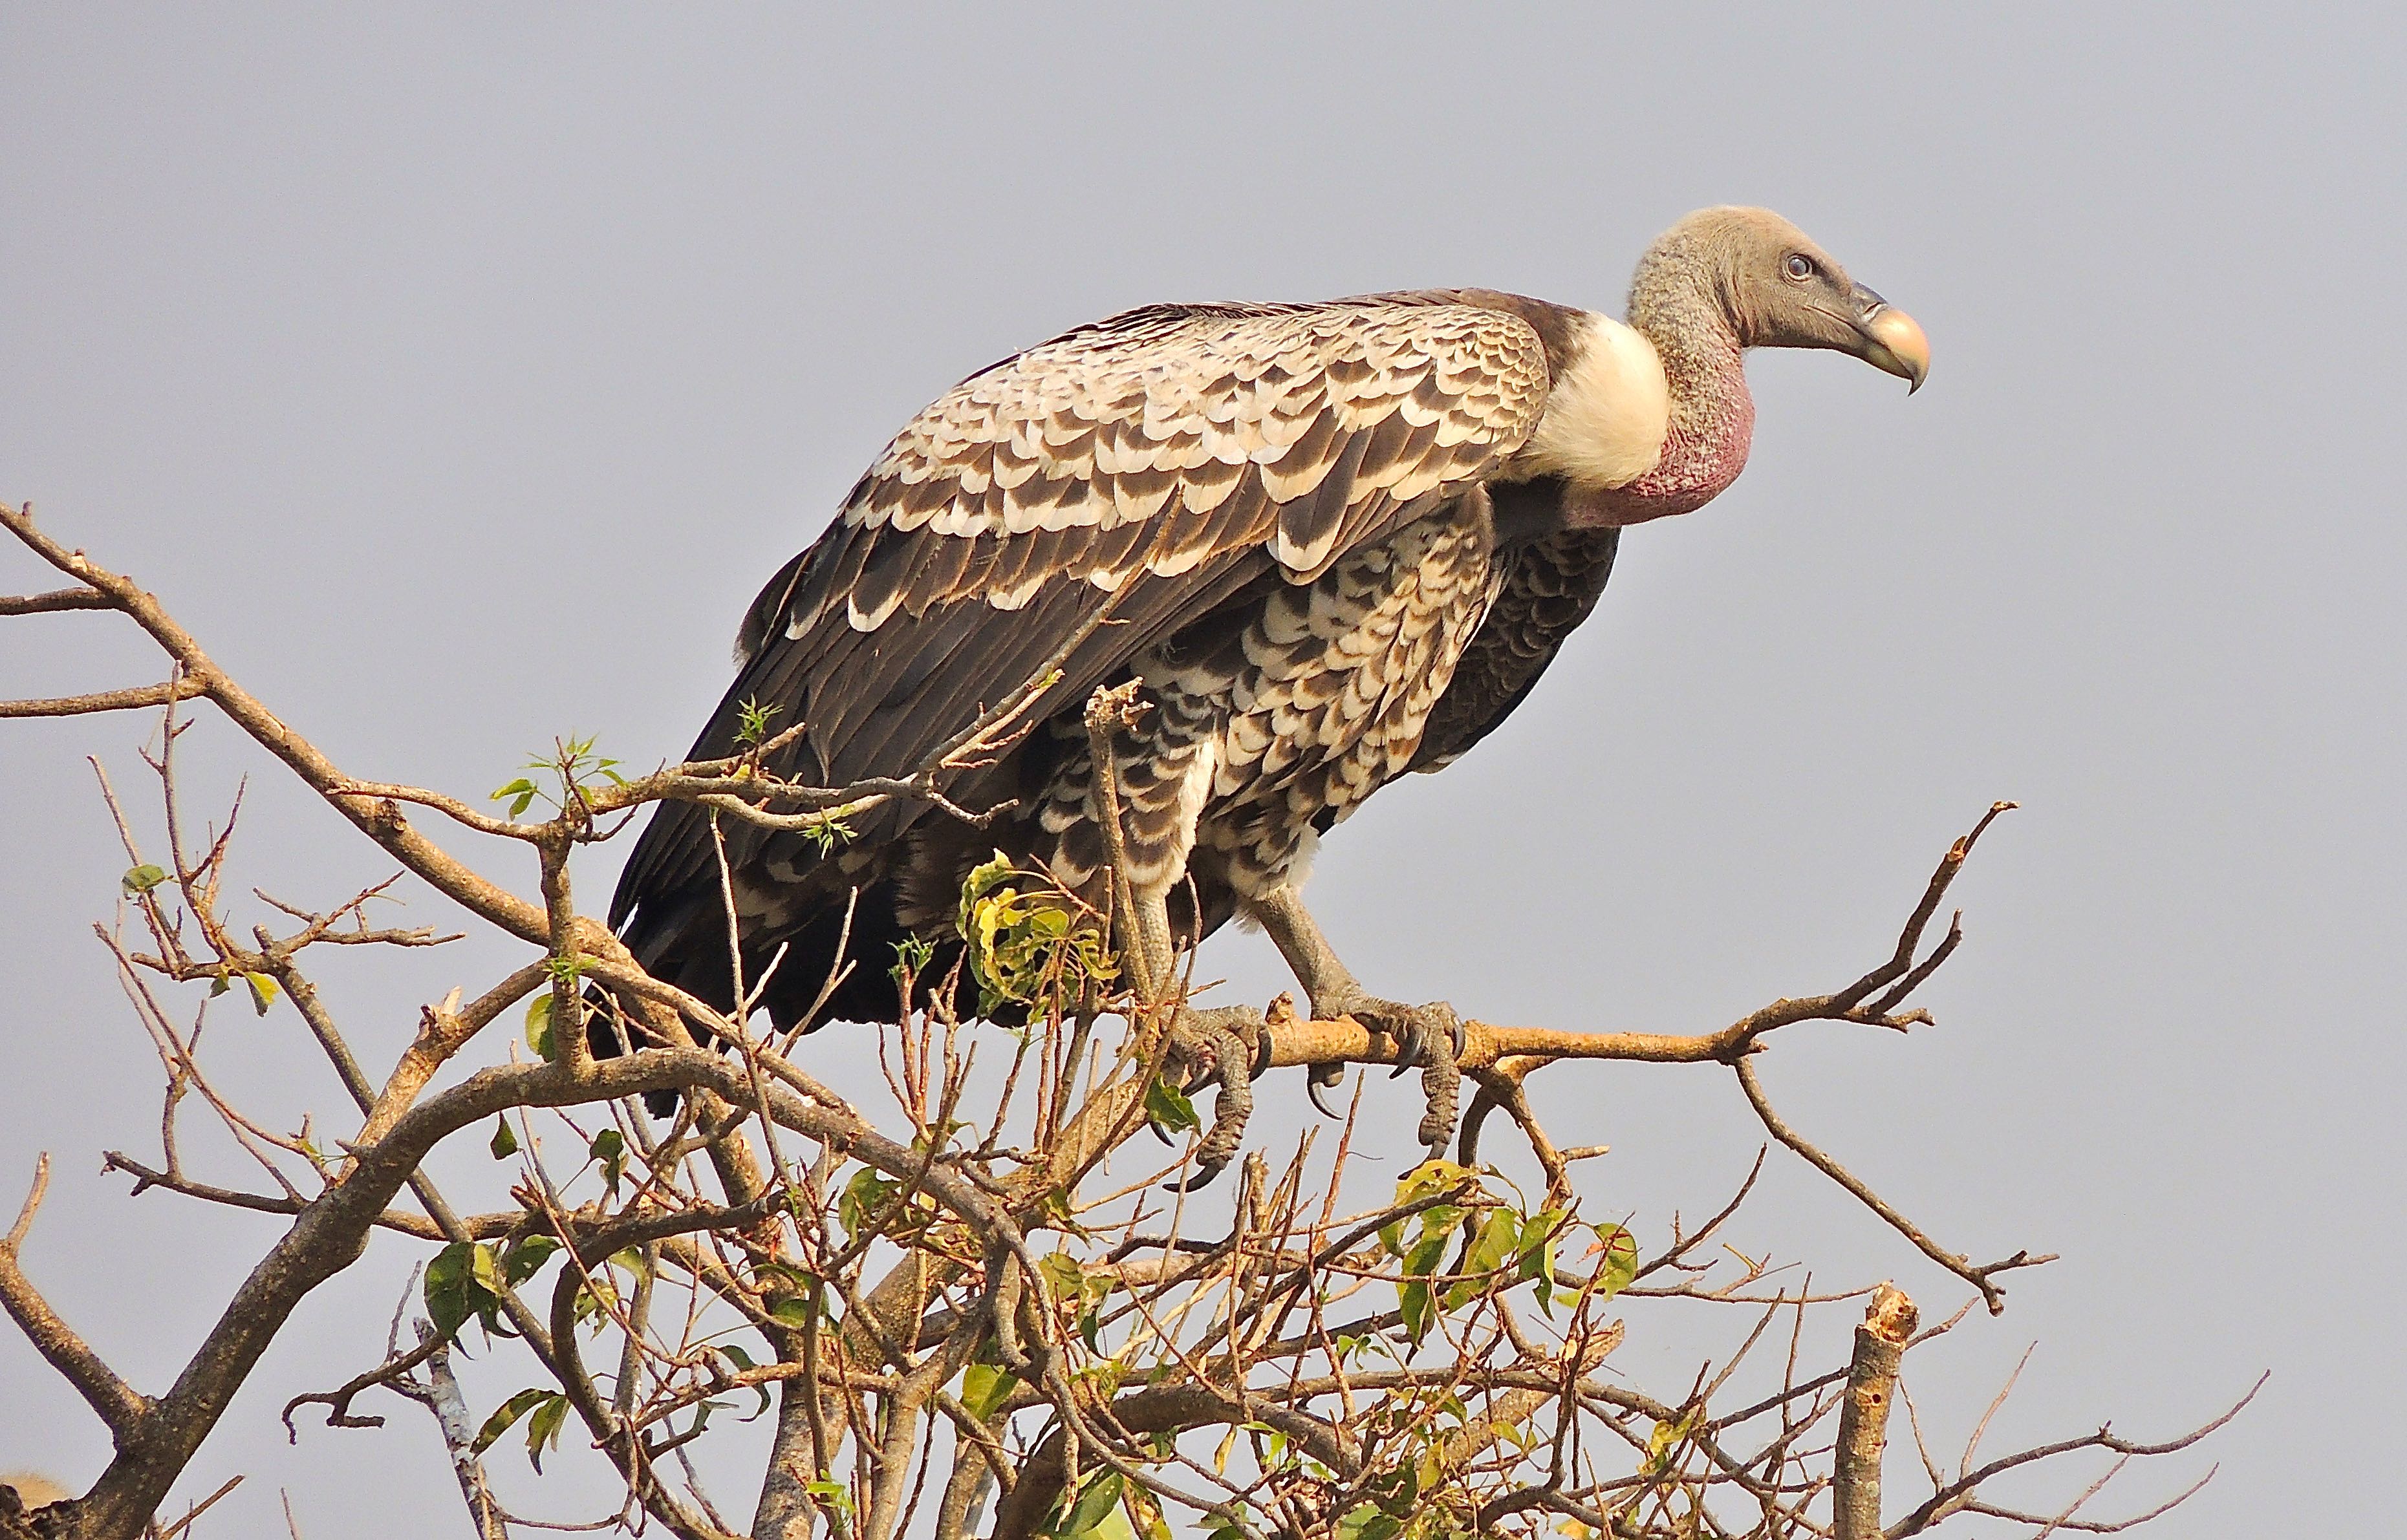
x: 1429, y: 1036
x: 1225, y: 1045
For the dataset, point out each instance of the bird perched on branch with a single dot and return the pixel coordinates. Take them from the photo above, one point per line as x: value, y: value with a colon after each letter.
x: 1323, y: 544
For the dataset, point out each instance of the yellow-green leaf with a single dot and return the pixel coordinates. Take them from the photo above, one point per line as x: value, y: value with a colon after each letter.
x: 1100, y: 1497
x: 985, y: 1387
x: 1619, y: 1264
x: 1169, y: 1107
x: 544, y: 1428
x: 505, y: 1416
x: 1495, y: 1243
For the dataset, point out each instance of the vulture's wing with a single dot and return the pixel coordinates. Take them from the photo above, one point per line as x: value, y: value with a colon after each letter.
x: 1140, y: 470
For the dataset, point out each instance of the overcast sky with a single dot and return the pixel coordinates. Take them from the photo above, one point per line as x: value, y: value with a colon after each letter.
x: 361, y: 338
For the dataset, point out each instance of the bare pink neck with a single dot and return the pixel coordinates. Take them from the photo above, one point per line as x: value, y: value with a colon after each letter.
x: 1713, y: 422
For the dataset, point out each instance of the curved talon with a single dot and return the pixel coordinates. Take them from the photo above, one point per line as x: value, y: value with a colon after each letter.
x: 1204, y: 1176
x: 1319, y: 1078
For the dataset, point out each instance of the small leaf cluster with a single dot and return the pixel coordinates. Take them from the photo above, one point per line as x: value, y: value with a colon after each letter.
x: 752, y: 722
x: 467, y: 1280
x: 1077, y: 1294
x: 1503, y: 1245
x: 549, y: 1410
x: 571, y: 767
x: 1107, y: 1507
x: 140, y: 880
x: 1026, y: 945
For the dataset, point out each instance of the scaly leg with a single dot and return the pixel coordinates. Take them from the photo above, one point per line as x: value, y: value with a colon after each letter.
x: 1427, y: 1036
x: 1226, y: 1045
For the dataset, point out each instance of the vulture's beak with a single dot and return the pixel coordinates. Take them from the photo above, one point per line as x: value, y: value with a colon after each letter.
x: 1892, y: 341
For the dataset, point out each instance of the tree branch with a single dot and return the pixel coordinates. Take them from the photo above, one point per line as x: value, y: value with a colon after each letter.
x: 119, y: 1405
x: 133, y: 698
x: 1888, y: 1323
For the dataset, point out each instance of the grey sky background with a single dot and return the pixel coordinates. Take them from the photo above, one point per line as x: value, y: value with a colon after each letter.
x: 457, y: 374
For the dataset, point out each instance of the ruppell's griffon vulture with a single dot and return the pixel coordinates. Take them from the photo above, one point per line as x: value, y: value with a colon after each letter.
x: 1328, y: 544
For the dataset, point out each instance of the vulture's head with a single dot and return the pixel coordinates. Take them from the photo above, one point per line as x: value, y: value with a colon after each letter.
x: 1776, y: 289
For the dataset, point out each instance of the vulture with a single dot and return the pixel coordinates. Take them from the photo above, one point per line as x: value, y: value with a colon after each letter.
x: 1323, y: 544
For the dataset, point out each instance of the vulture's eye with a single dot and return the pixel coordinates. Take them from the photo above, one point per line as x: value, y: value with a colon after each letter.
x: 1799, y: 266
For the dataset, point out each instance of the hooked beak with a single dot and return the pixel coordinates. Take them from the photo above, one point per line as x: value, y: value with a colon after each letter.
x: 1892, y: 341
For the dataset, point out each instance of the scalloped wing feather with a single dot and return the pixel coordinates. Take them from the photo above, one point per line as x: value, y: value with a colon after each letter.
x: 1297, y: 419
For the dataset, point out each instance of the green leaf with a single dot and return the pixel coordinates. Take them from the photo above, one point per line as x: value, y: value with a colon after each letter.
x: 520, y: 794
x: 830, y: 1495
x: 978, y: 884
x: 1498, y: 1237
x: 526, y: 1256
x: 610, y: 1148
x: 912, y: 955
x: 538, y: 1025
x: 448, y: 1287
x: 1620, y: 1265
x: 1067, y: 1279
x: 1366, y: 1522
x: 1099, y: 1496
x: 506, y: 1143
x: 743, y: 1361
x: 505, y: 1415
x: 1150, y: 1523
x: 263, y: 990
x: 1538, y: 1256
x: 1426, y: 1253
x: 1665, y: 1440
x: 793, y: 1312
x: 1431, y: 1176
x: 465, y: 1279
x: 1169, y: 1108
x: 219, y: 985
x: 752, y: 722
x: 985, y: 1387
x: 862, y: 1198
x: 544, y: 1428
x: 1413, y: 1300
x: 142, y: 878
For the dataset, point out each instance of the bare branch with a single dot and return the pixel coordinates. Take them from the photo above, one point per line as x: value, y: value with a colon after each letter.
x: 120, y: 1406
x: 133, y: 698
x: 55, y: 600
x: 1962, y: 1267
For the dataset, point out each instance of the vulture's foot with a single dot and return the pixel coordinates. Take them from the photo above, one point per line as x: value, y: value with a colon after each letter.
x: 1225, y: 1047
x: 1429, y: 1038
